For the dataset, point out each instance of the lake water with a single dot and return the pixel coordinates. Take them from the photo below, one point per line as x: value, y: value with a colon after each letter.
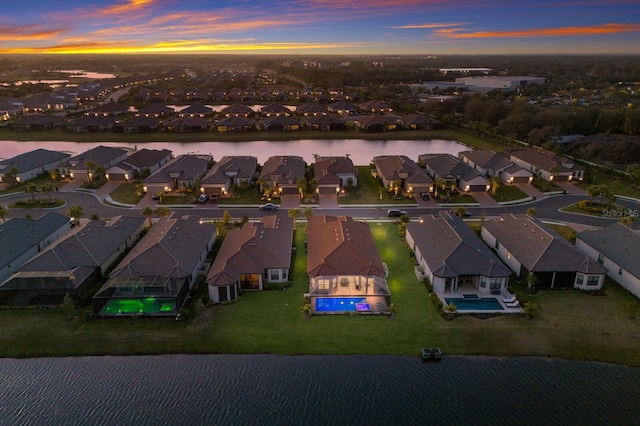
x: 316, y: 390
x: 361, y: 151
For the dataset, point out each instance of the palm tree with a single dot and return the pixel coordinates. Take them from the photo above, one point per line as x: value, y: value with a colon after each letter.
x: 12, y: 175
x: 55, y: 174
x: 554, y: 172
x: 47, y: 188
x: 100, y: 172
x: 148, y: 212
x: 4, y: 212
x: 31, y: 188
x: 163, y: 211
x: 312, y: 184
x: 593, y: 191
x: 307, y: 212
x: 531, y: 211
x: 139, y: 189
x: 294, y: 213
x: 89, y: 165
x: 302, y: 186
x: 76, y: 212
x: 495, y: 184
x: 439, y: 183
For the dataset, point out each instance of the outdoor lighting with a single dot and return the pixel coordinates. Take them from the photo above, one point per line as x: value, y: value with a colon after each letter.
x: 550, y: 178
x: 107, y: 176
x: 167, y: 189
x: 511, y: 179
x: 145, y: 189
x: 530, y: 179
x: 71, y: 175
x: 488, y: 188
x: 466, y: 188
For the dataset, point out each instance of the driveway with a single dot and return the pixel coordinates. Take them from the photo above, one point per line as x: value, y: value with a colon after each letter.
x: 328, y: 201
x: 572, y: 188
x: 530, y: 190
x: 289, y: 201
x: 484, y: 199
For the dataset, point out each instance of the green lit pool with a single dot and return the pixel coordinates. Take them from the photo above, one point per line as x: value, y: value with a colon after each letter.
x: 148, y: 305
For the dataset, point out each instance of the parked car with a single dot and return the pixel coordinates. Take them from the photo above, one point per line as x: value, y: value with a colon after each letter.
x: 396, y: 213
x: 203, y: 198
x: 155, y: 196
x: 457, y: 213
x: 424, y: 196
x: 269, y: 206
x: 214, y: 198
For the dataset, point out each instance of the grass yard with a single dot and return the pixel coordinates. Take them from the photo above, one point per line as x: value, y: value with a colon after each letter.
x: 509, y: 193
x: 126, y: 193
x: 369, y: 191
x: 569, y: 324
x: 618, y: 186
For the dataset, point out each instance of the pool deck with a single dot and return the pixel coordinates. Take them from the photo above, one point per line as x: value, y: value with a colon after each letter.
x: 468, y: 290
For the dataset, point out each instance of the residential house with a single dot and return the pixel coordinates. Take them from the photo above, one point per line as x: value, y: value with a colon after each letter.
x: 38, y: 122
x: 72, y: 265
x: 376, y: 107
x: 109, y: 109
x: 311, y: 109
x: 188, y: 124
x: 155, y: 110
x: 325, y: 122
x: 229, y: 171
x: 252, y: 257
x: 344, y: 267
x: 196, y: 110
x: 164, y: 266
x: 529, y: 247
x: 23, y: 238
x: 281, y: 173
x: 616, y: 248
x: 335, y: 173
x: 281, y: 124
x: 30, y: 164
x: 376, y: 123
x: 548, y: 165
x: 454, y: 258
x: 275, y: 110
x: 490, y: 163
x: 235, y: 124
x: 454, y: 171
x: 237, y: 110
x: 140, y: 162
x: 178, y: 174
x: 401, y: 173
x: 90, y: 123
x: 420, y: 122
x: 343, y: 107
x: 104, y: 156
x: 139, y: 124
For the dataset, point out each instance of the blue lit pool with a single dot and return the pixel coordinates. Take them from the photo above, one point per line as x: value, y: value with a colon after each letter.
x: 340, y: 304
x: 479, y: 304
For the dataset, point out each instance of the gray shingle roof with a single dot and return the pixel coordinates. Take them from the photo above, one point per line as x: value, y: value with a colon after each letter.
x: 392, y: 166
x: 239, y: 167
x: 32, y: 160
x: 618, y: 243
x: 99, y: 155
x: 487, y: 159
x: 538, y: 248
x: 186, y: 167
x: 450, y: 248
x: 18, y: 235
x: 283, y: 169
x: 171, y: 249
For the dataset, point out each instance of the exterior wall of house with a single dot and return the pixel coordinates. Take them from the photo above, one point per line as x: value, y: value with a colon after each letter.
x: 620, y: 275
x: 219, y: 294
x: 492, y: 285
x: 588, y: 281
x: 504, y: 255
x: 276, y: 275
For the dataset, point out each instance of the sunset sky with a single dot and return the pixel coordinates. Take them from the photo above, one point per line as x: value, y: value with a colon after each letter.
x: 320, y: 26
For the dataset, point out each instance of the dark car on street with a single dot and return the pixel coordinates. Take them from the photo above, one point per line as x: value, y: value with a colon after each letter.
x: 269, y: 206
x: 396, y: 213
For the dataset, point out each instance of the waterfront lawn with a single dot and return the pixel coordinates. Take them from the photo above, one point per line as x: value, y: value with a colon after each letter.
x: 369, y: 191
x: 568, y: 323
x: 126, y: 193
x: 508, y: 193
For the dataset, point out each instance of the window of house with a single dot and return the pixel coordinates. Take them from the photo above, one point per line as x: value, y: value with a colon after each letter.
x: 620, y: 271
x: 495, y: 284
x: 483, y: 282
x: 497, y: 245
x: 600, y: 258
x: 593, y: 280
x: 274, y: 275
x: 580, y: 279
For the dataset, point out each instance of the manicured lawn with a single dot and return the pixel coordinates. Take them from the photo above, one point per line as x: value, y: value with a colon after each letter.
x: 617, y: 186
x: 181, y: 199
x: 126, y: 193
x: 40, y: 203
x: 247, y: 196
x: 568, y: 324
x: 38, y: 181
x: 509, y: 193
x: 574, y: 208
x: 369, y: 191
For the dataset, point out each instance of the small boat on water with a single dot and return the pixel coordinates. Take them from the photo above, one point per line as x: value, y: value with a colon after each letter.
x: 431, y: 354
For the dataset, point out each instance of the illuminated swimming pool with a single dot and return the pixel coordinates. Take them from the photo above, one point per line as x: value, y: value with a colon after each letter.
x: 340, y: 304
x: 148, y: 305
x: 479, y: 304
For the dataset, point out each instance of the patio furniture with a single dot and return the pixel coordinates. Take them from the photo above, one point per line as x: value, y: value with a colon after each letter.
x: 509, y: 299
x: 515, y: 304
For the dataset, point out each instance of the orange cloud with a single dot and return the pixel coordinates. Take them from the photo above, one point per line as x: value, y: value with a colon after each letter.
x: 25, y: 33
x: 430, y: 26
x: 541, y: 32
x: 127, y: 7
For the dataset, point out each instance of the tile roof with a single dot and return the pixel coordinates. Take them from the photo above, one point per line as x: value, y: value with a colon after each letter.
x: 146, y: 157
x: 544, y: 160
x: 283, y: 169
x: 172, y: 248
x: 197, y: 109
x: 99, y: 155
x: 618, y: 243
x: 487, y: 159
x: 341, y: 246
x: 326, y: 168
x: 447, y: 166
x: 18, y: 235
x: 450, y: 248
x: 391, y: 167
x: 253, y: 249
x: 538, y: 248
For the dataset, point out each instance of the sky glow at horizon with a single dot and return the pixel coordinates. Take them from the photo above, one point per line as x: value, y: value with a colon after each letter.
x: 320, y: 27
